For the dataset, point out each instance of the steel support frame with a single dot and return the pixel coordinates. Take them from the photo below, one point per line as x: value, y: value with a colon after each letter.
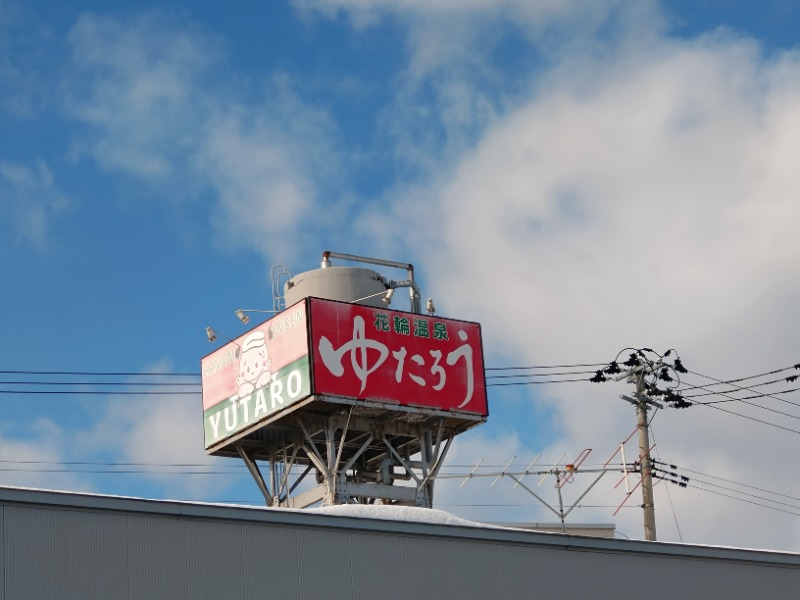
x: 335, y: 447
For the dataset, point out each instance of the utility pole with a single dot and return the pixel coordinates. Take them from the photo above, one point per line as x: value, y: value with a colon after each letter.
x: 646, y: 369
x: 648, y: 504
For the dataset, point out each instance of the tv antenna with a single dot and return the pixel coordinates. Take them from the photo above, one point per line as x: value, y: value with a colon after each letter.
x: 563, y: 475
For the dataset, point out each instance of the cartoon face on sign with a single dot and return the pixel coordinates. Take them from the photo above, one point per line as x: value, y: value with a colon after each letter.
x: 254, y: 364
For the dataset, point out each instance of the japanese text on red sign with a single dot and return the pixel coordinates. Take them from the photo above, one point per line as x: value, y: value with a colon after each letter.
x: 426, y: 369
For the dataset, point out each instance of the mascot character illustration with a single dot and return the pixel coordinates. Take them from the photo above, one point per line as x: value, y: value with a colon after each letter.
x: 254, y: 364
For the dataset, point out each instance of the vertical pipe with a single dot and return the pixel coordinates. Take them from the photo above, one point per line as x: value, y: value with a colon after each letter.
x: 330, y: 476
x: 561, y: 514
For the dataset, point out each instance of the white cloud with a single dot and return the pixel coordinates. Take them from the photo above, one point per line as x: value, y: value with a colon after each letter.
x: 448, y: 31
x: 266, y: 163
x: 157, y: 105
x: 640, y: 197
x: 138, y: 87
x: 30, y: 200
x: 637, y: 193
x: 160, y: 434
x: 547, y: 11
x: 39, y: 462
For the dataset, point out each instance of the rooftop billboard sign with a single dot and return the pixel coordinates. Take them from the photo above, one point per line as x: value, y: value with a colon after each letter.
x: 334, y: 350
x: 404, y: 358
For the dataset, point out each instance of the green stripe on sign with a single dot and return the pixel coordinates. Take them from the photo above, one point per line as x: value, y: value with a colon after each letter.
x: 289, y: 385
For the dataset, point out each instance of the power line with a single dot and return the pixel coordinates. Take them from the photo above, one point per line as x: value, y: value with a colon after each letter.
x: 105, y: 383
x: 100, y: 373
x: 111, y: 471
x: 193, y: 393
x: 731, y: 381
x: 669, y: 495
x: 236, y: 466
x: 738, y: 483
x: 124, y: 384
x: 696, y: 487
x: 538, y: 374
x: 733, y: 391
x: 197, y: 374
x: 694, y: 480
x: 749, y: 418
x: 532, y: 367
x: 93, y: 392
x: 722, y: 487
x: 535, y: 382
x: 744, y: 400
x: 788, y: 379
x: 770, y: 395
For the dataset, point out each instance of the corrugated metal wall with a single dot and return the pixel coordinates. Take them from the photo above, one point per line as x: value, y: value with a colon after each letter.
x: 64, y: 546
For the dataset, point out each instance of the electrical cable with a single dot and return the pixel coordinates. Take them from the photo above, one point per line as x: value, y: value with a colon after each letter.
x: 537, y: 375
x: 115, y: 464
x: 797, y: 366
x: 727, y: 489
x: 111, y: 471
x: 100, y: 373
x: 696, y: 487
x: 732, y: 399
x: 535, y: 382
x: 739, y: 484
x: 103, y: 393
x: 104, y: 383
x: 749, y: 418
x: 733, y: 391
x: 745, y: 401
x: 731, y: 381
x: 125, y: 384
x: 540, y: 367
x: 669, y: 495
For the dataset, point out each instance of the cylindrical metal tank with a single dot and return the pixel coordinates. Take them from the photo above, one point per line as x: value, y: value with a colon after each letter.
x: 347, y: 284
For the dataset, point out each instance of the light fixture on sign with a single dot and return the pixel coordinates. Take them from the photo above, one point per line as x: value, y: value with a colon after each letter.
x: 241, y: 313
x: 212, y: 334
x: 387, y: 296
x: 430, y: 307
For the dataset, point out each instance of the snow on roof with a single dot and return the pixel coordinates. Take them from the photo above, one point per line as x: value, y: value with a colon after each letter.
x: 413, y: 514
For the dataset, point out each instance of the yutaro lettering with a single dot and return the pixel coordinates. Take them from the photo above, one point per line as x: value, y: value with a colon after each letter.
x: 237, y: 413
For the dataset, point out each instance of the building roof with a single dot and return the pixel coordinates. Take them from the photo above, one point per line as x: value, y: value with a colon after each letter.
x: 394, y: 520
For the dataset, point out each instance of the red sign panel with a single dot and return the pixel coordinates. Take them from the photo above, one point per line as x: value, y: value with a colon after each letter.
x: 389, y: 356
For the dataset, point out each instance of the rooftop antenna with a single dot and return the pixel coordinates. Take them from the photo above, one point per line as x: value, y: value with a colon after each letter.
x: 563, y: 475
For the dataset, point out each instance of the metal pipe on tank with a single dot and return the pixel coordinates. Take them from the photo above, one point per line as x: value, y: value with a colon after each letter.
x: 414, y: 294
x: 413, y: 291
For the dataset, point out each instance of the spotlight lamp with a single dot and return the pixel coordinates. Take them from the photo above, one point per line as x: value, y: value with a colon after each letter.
x: 387, y: 296
x: 430, y: 307
x: 212, y: 335
x: 241, y: 313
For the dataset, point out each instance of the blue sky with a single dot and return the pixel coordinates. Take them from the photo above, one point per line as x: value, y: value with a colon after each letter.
x: 577, y: 176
